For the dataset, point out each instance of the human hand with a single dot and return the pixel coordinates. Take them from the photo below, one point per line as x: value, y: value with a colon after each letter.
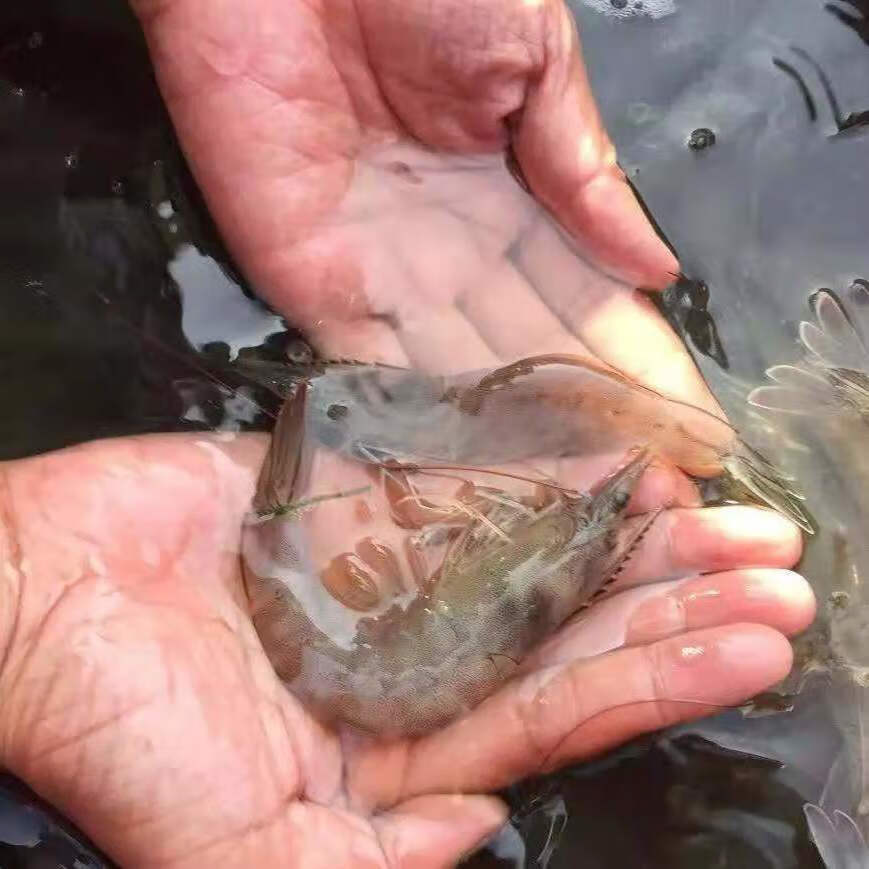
x: 364, y: 194
x: 137, y: 697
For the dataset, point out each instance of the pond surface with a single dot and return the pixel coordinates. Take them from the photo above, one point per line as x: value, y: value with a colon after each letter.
x: 741, y: 123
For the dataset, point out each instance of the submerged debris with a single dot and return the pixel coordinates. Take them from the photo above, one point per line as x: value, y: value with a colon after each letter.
x: 838, y: 839
x: 833, y: 378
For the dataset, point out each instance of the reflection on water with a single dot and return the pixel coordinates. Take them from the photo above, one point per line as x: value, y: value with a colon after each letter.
x: 34, y: 836
x: 687, y: 801
x: 108, y: 253
x: 785, y: 186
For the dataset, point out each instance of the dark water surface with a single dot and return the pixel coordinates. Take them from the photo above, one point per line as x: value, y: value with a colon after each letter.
x: 722, y: 113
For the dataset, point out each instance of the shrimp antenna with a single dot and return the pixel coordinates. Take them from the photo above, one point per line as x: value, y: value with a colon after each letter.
x: 187, y: 359
x: 412, y: 468
x: 661, y: 714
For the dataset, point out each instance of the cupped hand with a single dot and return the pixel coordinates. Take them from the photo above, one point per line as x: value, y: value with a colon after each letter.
x: 353, y: 157
x: 138, y: 699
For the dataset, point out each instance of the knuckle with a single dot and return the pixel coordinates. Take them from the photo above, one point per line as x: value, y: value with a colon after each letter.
x: 680, y: 535
x: 545, y: 708
x: 657, y: 664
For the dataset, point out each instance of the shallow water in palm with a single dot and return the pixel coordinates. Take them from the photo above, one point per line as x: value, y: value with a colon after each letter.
x: 740, y: 125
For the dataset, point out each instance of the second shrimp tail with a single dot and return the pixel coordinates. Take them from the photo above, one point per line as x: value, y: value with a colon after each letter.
x: 764, y: 482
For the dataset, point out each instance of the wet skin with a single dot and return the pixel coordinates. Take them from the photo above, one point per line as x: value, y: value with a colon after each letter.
x: 136, y: 695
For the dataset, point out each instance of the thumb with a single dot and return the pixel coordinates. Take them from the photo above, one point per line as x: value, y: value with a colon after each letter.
x: 437, y: 831
x: 570, y: 164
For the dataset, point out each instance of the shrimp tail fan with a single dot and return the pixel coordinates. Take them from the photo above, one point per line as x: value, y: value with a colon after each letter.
x: 765, y: 483
x: 838, y: 839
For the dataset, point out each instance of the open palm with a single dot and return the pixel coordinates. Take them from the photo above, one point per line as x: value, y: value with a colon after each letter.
x: 352, y: 154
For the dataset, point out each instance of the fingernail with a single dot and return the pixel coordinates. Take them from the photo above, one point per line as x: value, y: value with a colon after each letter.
x: 757, y: 524
x: 724, y: 538
x: 787, y: 586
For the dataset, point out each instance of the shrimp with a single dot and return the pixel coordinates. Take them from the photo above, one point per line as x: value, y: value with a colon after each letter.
x: 550, y: 406
x: 407, y: 663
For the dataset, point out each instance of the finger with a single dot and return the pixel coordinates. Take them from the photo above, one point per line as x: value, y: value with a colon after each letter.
x: 685, y: 541
x: 781, y: 599
x: 648, y: 350
x: 618, y: 325
x: 364, y: 340
x: 778, y: 598
x: 407, y: 291
x: 570, y: 164
x: 442, y: 341
x: 513, y: 319
x: 660, y: 486
x: 567, y: 713
x: 443, y: 257
x: 663, y: 486
x: 437, y: 831
x: 391, y: 302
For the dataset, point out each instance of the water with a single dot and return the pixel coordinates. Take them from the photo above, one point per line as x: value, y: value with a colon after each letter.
x: 91, y: 259
x: 106, y: 246
x: 34, y: 836
x: 762, y: 217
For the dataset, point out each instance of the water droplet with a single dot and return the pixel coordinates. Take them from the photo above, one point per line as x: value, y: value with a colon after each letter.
x: 701, y: 138
x: 165, y: 209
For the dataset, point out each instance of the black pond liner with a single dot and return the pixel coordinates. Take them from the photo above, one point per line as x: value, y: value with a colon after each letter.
x: 35, y: 836
x: 741, y: 124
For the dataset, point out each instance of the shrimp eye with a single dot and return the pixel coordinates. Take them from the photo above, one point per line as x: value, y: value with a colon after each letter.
x: 337, y: 411
x: 620, y: 500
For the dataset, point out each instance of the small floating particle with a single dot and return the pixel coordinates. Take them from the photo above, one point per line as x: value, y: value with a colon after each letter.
x: 618, y: 4
x: 701, y: 138
x: 840, y: 599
